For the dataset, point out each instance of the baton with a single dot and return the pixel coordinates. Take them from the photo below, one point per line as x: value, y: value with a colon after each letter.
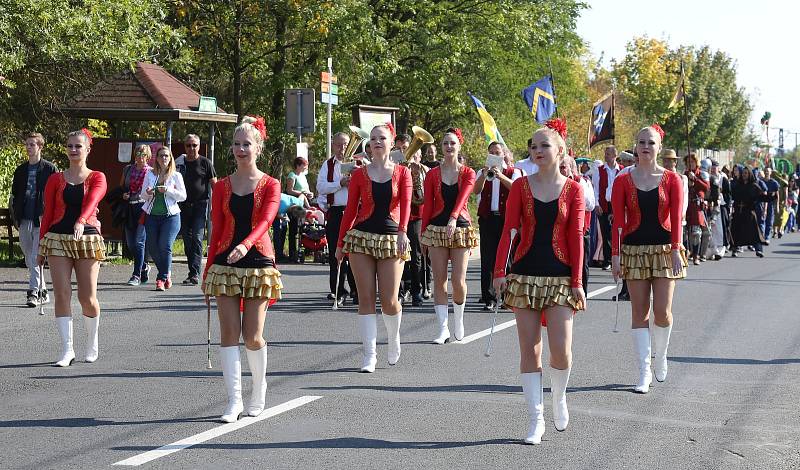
x: 619, y: 284
x: 336, y: 291
x: 208, y: 329
x: 42, y: 285
x: 488, y: 352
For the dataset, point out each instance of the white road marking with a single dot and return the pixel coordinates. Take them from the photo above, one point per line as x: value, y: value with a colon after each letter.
x: 509, y: 324
x: 215, y: 432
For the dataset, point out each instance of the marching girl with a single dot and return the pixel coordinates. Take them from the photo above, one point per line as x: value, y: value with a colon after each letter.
x: 544, y: 285
x: 373, y: 234
x: 447, y: 232
x: 70, y: 240
x: 647, y: 249
x: 240, y: 269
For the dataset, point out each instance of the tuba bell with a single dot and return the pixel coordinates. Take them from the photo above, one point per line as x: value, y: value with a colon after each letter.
x: 357, y: 136
x: 421, y: 137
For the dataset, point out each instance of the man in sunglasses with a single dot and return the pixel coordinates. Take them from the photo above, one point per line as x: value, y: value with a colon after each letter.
x: 198, y: 176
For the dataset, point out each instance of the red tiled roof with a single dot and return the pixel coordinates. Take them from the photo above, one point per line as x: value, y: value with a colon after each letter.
x: 148, y: 87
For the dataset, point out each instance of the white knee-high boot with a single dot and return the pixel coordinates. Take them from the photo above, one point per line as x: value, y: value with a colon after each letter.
x: 458, y: 320
x: 64, y: 325
x: 558, y: 388
x: 441, y: 322
x: 532, y: 388
x: 92, y: 347
x: 367, y: 326
x: 257, y: 361
x: 660, y: 344
x: 392, y: 323
x: 232, y: 373
x: 641, y: 348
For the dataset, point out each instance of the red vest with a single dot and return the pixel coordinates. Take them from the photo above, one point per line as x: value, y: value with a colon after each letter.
x: 485, y: 206
x: 331, y: 163
x: 601, y: 193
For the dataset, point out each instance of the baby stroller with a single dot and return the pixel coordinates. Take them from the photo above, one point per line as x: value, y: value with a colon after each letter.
x: 312, y: 236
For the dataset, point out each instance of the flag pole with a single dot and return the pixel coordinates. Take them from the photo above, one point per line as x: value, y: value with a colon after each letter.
x: 553, y: 82
x: 685, y: 110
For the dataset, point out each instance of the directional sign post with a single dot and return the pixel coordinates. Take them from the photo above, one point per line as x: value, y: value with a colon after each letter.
x: 329, y: 94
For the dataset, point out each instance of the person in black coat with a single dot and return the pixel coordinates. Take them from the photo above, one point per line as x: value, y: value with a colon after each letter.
x: 27, y: 208
x: 745, y: 228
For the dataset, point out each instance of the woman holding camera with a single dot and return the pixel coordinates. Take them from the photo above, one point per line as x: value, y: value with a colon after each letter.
x: 163, y: 190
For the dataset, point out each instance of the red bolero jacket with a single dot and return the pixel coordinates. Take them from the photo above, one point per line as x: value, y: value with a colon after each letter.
x: 94, y: 189
x: 266, y: 200
x: 360, y: 202
x: 567, y: 230
x: 625, y: 206
x: 434, y: 202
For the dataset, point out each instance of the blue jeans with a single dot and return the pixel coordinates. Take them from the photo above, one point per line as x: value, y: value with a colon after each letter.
x: 193, y: 222
x: 161, y: 233
x: 135, y: 239
x: 769, y: 218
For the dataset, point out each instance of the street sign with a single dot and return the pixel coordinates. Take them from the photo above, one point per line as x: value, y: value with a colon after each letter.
x: 300, y: 108
x: 329, y: 98
x: 334, y: 89
x: 328, y: 77
x: 326, y: 87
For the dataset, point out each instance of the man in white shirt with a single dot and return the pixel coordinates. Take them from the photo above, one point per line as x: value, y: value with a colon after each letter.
x: 332, y: 189
x: 491, y: 215
x: 526, y: 165
x: 603, y: 181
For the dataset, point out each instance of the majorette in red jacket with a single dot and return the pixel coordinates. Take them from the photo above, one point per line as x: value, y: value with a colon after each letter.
x: 567, y: 230
x: 434, y: 202
x: 360, y: 202
x: 94, y: 189
x: 266, y: 200
x: 625, y: 204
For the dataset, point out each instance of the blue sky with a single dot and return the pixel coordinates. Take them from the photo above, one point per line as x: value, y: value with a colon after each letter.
x: 761, y: 36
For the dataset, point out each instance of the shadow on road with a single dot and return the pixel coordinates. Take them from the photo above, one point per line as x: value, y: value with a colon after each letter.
x: 343, y: 443
x: 472, y: 388
x: 94, y: 422
x: 733, y: 361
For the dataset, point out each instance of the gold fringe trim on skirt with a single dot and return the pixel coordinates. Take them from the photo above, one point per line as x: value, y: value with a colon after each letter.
x: 249, y: 283
x: 376, y: 245
x: 539, y: 292
x: 463, y: 237
x: 644, y: 262
x: 62, y: 244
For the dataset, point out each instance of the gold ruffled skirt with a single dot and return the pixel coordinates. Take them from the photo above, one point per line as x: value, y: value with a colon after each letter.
x: 62, y: 244
x: 463, y: 237
x: 645, y: 262
x: 539, y: 292
x: 249, y: 283
x: 376, y: 245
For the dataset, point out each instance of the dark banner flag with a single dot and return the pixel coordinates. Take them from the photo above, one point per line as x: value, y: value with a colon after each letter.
x: 601, y: 126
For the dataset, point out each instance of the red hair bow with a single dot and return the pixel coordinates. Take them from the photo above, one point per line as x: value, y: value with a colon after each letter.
x: 457, y: 132
x: 261, y: 125
x: 390, y: 126
x: 88, y: 135
x: 658, y: 129
x: 559, y: 125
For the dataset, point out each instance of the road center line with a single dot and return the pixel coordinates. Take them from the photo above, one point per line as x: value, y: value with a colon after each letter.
x: 509, y: 324
x: 215, y: 432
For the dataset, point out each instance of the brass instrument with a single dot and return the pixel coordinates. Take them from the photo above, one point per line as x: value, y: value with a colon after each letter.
x: 357, y: 136
x: 418, y: 171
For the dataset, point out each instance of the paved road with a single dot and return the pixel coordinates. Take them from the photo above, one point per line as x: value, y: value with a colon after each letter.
x: 730, y: 400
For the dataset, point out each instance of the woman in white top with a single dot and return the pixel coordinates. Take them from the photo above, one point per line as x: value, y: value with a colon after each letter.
x: 163, y: 189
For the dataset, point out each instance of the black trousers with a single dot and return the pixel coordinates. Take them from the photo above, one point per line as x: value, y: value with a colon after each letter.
x: 605, y: 229
x: 413, y: 271
x: 332, y: 226
x: 490, y: 228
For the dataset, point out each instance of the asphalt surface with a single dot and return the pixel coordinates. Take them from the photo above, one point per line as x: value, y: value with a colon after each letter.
x: 730, y: 401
